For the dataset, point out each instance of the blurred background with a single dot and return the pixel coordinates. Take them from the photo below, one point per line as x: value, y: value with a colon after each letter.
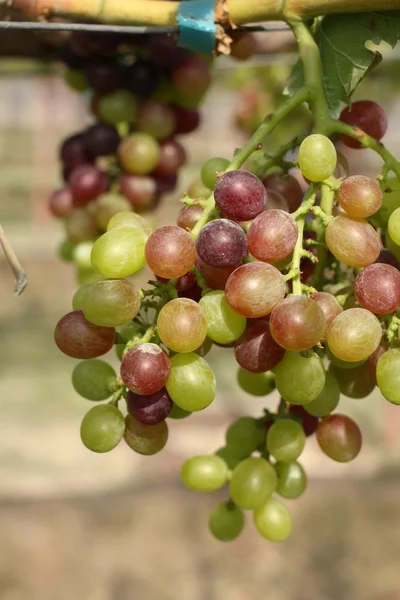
x: 120, y: 526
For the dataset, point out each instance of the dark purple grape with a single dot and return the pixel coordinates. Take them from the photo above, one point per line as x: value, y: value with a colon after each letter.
x: 172, y: 157
x: 256, y: 350
x: 164, y: 51
x: 308, y: 422
x: 71, y: 58
x: 166, y: 184
x: 142, y: 78
x: 216, y: 277
x: 186, y: 120
x: 222, y: 243
x: 104, y: 76
x: 151, y: 409
x: 240, y: 195
x: 141, y: 191
x: 86, y: 183
x: 101, y: 140
x: 73, y: 151
x: 387, y: 258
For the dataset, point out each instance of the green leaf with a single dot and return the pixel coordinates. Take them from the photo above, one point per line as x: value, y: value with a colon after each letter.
x: 345, y: 58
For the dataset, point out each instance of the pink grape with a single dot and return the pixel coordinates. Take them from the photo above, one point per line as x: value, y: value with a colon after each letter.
x: 257, y: 350
x: 354, y: 335
x: 141, y: 191
x: 377, y: 288
x: 170, y: 252
x: 172, y: 157
x: 272, y: 236
x: 339, y: 437
x: 61, y: 202
x: 188, y: 216
x: 367, y: 116
x: 150, y: 409
x: 145, y: 369
x: 353, y: 241
x: 360, y: 196
x: 222, y: 243
x: 86, y: 182
x: 253, y: 290
x: 329, y: 304
x: 297, y: 323
x: 240, y: 195
x: 78, y: 338
x: 182, y: 325
x: 287, y: 186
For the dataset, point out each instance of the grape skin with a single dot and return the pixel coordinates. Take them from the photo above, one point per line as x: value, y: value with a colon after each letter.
x: 297, y: 323
x: 300, y: 379
x: 170, y: 252
x: 339, y: 437
x: 353, y: 241
x: 182, y: 325
x: 78, y: 338
x: 145, y: 369
x: 377, y: 288
x: 273, y: 520
x: 272, y: 236
x: 354, y: 335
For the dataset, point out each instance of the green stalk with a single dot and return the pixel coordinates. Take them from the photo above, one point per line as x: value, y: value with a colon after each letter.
x: 327, y: 200
x: 298, y: 252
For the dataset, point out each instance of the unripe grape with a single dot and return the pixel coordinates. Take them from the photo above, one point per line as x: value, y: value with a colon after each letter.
x: 129, y: 219
x: 210, y: 169
x: 139, y: 153
x: 145, y: 439
x: 317, y: 157
x: 111, y: 303
x: 394, y: 226
x: 273, y: 520
x: 244, y: 436
x: 300, y: 379
x: 252, y: 482
x: 292, y: 479
x: 191, y: 383
x: 224, y: 325
x: 102, y: 428
x: 94, y: 379
x: 204, y: 473
x: 327, y: 400
x: 256, y: 384
x: 388, y: 375
x: 285, y: 440
x: 119, y: 252
x: 118, y: 107
x: 182, y: 325
x: 354, y: 335
x: 226, y: 521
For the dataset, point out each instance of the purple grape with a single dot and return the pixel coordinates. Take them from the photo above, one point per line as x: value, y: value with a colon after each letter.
x: 101, y: 140
x: 73, y: 151
x: 222, y: 243
x: 86, y: 183
x: 151, y: 409
x: 104, y: 76
x: 257, y: 350
x: 142, y: 78
x: 240, y: 195
x: 186, y: 121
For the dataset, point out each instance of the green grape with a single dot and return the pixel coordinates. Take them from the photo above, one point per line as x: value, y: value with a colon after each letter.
x: 244, y: 436
x: 102, y: 428
x: 252, y: 482
x: 66, y: 250
x: 111, y: 303
x: 129, y: 219
x: 226, y: 521
x: 228, y: 455
x: 300, y: 379
x: 224, y: 325
x: 388, y: 375
x: 292, y: 479
x: 81, y: 255
x: 178, y: 413
x: 341, y: 364
x: 119, y: 252
x: 118, y: 107
x: 210, y: 169
x: 139, y: 153
x: 107, y: 206
x: 94, y: 379
x: 79, y: 295
x: 317, y: 157
x: 273, y: 520
x: 256, y: 384
x: 191, y: 382
x: 87, y: 276
x: 394, y: 226
x: 328, y: 399
x: 76, y: 80
x: 204, y: 473
x: 145, y: 439
x: 286, y: 440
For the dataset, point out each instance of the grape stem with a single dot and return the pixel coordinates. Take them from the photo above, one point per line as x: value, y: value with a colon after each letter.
x: 327, y: 201
x: 268, y: 161
x: 21, y: 280
x: 143, y: 339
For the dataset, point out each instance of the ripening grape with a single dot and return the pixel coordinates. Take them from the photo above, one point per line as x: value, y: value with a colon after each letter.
x: 252, y: 482
x: 86, y: 183
x: 182, y: 325
x: 224, y: 325
x: 106, y: 206
x: 330, y: 306
x: 117, y: 107
x: 297, y: 323
x: 140, y: 190
x: 139, y: 153
x: 388, y: 375
x: 240, y: 195
x: 191, y: 80
x: 367, y: 116
x: 188, y: 216
x: 145, y: 368
x: 172, y: 157
x: 78, y: 338
x: 145, y: 439
x: 339, y: 437
x: 285, y: 440
x: 79, y: 295
x: 272, y: 236
x: 170, y: 252
x: 129, y: 219
x: 76, y: 80
x: 317, y: 157
x: 111, y: 303
x: 94, y: 379
x: 253, y: 290
x: 149, y: 409
x: 222, y: 243
x: 256, y: 350
x: 119, y: 253
x: 61, y: 203
x: 80, y: 226
x: 273, y: 520
x: 300, y: 379
x: 354, y: 335
x: 156, y: 119
x: 244, y: 436
x: 377, y: 288
x: 256, y: 384
x: 205, y: 473
x: 292, y: 479
x: 226, y: 521
x: 210, y: 170
x: 353, y: 241
x: 327, y: 400
x: 394, y: 226
x: 191, y: 383
x: 360, y: 196
x: 287, y: 186
x: 354, y: 383
x: 229, y: 456
x: 102, y: 428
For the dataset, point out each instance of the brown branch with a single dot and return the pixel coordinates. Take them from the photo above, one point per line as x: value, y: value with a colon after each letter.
x: 21, y: 280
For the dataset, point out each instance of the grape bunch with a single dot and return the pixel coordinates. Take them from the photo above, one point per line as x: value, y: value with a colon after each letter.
x: 304, y: 287
x: 144, y: 93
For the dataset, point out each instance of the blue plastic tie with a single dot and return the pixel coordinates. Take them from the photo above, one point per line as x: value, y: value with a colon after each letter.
x: 197, y: 28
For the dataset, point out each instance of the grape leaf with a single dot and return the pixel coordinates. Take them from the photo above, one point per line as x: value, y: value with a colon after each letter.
x: 346, y: 60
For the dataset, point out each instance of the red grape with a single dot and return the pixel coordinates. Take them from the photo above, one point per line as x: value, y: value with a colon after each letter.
x: 253, y: 290
x: 216, y: 277
x: 140, y: 191
x: 60, y: 202
x: 353, y: 241
x: 275, y: 201
x: 272, y: 236
x: 309, y: 422
x: 186, y: 121
x: 145, y: 369
x: 297, y: 323
x: 150, y: 409
x: 86, y: 183
x: 339, y: 437
x: 191, y: 80
x: 257, y: 350
x: 329, y: 305
x: 287, y: 186
x: 377, y: 288
x: 170, y: 252
x: 172, y: 157
x: 367, y: 116
x: 188, y: 216
x: 222, y: 243
x: 78, y: 338
x: 240, y: 195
